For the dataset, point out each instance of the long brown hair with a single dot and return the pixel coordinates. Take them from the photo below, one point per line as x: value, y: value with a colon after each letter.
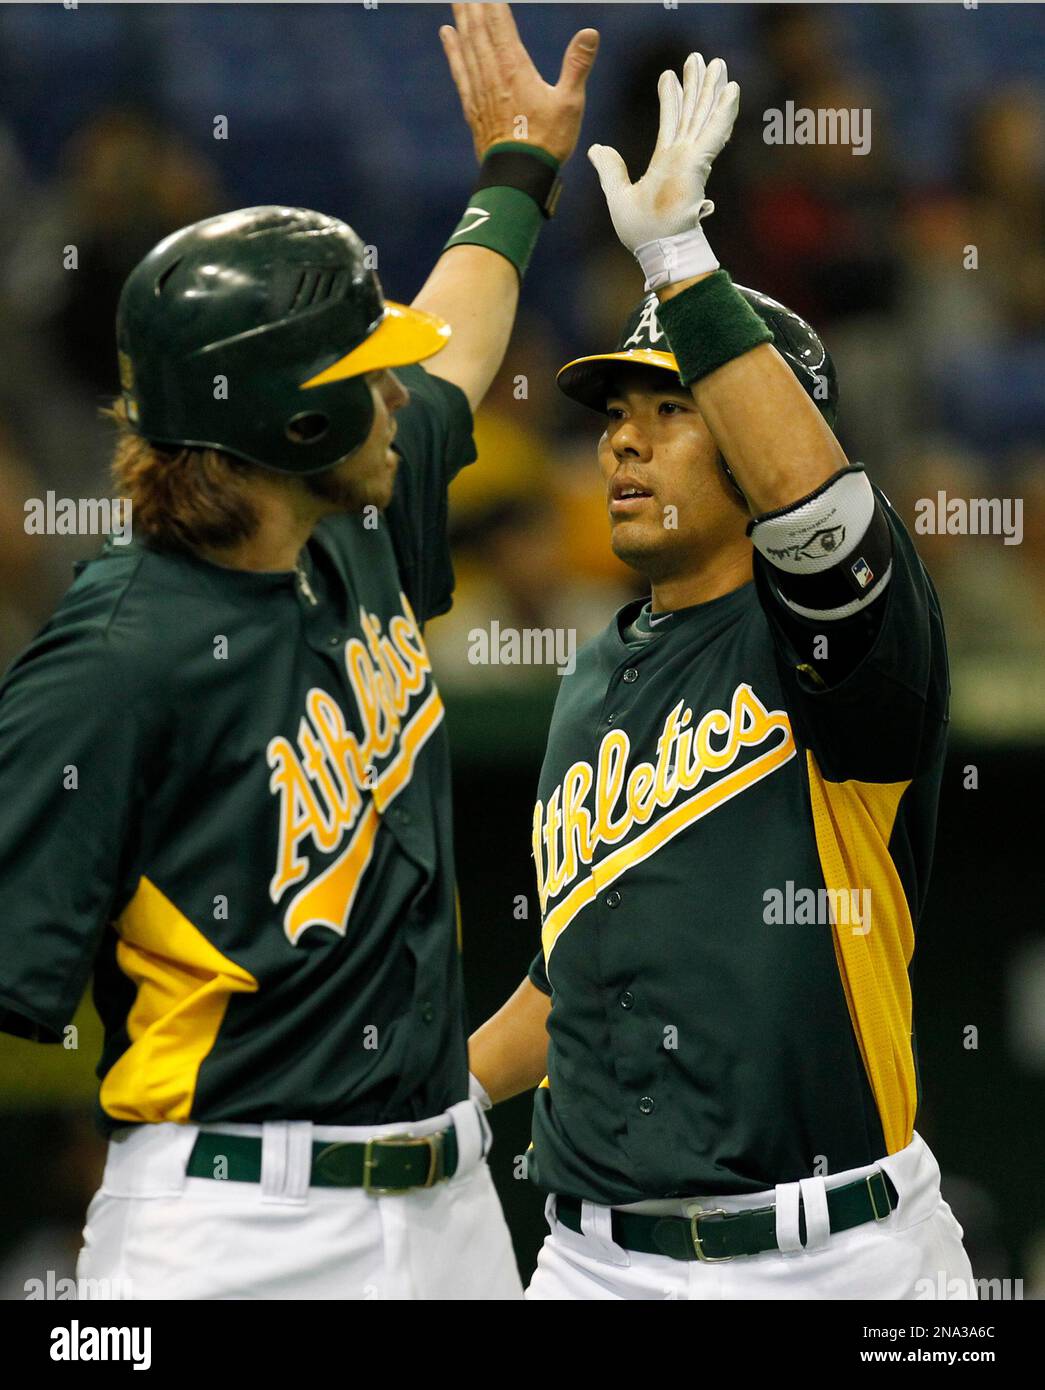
x: 181, y: 497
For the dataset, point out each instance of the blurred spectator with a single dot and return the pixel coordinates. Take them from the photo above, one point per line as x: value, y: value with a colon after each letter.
x: 976, y: 292
x: 34, y: 570
x: 124, y: 182
x: 823, y: 223
x: 821, y: 218
x: 992, y: 594
x: 515, y: 575
x: 522, y: 533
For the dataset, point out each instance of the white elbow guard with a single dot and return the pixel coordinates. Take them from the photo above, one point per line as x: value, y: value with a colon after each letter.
x: 831, y: 551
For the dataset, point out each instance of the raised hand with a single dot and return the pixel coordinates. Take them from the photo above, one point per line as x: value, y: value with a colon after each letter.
x: 503, y: 96
x: 696, y: 120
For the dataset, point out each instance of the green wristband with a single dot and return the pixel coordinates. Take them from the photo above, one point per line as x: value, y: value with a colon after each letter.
x: 504, y: 220
x: 708, y: 325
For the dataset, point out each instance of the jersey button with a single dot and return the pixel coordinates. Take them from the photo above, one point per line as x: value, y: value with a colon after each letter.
x: 611, y: 719
x: 627, y: 999
x: 427, y: 1012
x: 612, y: 899
x: 334, y: 640
x: 630, y: 675
x: 646, y: 1105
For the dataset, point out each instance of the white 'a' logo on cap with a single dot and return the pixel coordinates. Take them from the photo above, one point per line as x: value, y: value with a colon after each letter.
x: 648, y: 328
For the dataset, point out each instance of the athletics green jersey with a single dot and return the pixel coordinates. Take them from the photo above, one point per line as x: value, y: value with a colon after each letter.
x: 731, y: 859
x: 226, y: 794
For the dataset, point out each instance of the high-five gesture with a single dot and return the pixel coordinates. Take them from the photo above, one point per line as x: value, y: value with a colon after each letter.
x: 503, y: 96
x: 696, y: 119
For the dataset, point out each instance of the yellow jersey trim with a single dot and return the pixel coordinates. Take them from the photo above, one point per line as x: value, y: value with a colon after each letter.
x: 183, y: 985
x: 853, y: 822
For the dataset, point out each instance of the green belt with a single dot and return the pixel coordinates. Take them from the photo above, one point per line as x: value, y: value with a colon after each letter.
x: 385, y: 1167
x: 714, y: 1234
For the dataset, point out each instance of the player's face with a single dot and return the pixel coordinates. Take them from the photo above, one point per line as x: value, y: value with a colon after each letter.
x: 668, y: 501
x: 366, y: 477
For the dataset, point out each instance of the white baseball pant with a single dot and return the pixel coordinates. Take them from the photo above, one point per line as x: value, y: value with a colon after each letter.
x: 914, y: 1253
x: 153, y: 1232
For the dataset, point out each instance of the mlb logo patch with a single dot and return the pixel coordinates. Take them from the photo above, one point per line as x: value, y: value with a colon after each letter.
x: 862, y: 572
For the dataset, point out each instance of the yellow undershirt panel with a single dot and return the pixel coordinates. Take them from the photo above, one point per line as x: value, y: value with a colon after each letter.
x: 183, y: 988
x: 853, y: 822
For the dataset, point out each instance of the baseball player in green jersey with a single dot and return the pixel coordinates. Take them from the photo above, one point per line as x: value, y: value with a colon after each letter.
x: 224, y: 786
x: 735, y: 815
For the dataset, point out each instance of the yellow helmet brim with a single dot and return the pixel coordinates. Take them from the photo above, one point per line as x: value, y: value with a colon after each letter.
x: 405, y: 335
x: 586, y: 379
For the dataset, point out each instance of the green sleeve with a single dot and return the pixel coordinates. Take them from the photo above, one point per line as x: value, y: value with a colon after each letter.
x: 538, y: 975
x: 882, y: 721
x: 434, y: 441
x: 68, y: 786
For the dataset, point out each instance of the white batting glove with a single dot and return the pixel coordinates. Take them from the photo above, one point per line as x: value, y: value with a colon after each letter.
x: 658, y: 218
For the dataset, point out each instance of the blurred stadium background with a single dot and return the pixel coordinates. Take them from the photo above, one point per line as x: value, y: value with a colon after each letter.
x: 106, y: 143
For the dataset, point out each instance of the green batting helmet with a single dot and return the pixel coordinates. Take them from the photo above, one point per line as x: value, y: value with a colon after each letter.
x: 643, y: 343
x: 251, y: 333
